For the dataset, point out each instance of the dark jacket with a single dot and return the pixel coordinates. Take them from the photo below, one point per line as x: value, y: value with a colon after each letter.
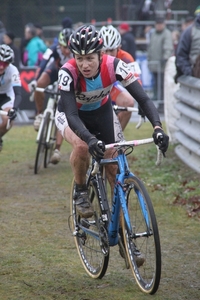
x: 188, y: 49
x: 128, y: 43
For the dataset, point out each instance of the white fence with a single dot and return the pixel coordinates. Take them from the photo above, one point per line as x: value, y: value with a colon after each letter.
x: 182, y: 116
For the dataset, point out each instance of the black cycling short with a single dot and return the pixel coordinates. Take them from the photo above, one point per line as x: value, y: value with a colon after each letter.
x: 3, y: 99
x: 103, y: 123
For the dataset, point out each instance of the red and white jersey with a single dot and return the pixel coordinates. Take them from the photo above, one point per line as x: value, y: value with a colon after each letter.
x: 94, y: 92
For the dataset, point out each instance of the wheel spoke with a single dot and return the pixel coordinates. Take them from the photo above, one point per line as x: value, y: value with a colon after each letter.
x: 90, y: 238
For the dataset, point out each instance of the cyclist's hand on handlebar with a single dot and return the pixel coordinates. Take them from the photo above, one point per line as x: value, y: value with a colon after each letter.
x: 161, y: 139
x: 32, y: 85
x: 96, y: 148
x: 12, y: 113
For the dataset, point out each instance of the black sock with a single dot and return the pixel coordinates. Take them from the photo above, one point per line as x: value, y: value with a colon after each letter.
x: 81, y: 187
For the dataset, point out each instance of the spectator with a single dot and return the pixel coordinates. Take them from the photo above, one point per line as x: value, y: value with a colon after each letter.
x: 8, y: 39
x: 160, y: 48
x: 128, y: 40
x: 187, y: 22
x: 39, y: 30
x: 2, y: 32
x: 148, y: 30
x: 66, y: 23
x: 24, y: 41
x: 32, y: 47
x: 188, y: 48
x: 146, y: 11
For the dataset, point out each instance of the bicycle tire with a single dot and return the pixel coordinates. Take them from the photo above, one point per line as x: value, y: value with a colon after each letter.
x: 94, y: 261
x: 50, y: 145
x: 145, y: 236
x: 41, y: 148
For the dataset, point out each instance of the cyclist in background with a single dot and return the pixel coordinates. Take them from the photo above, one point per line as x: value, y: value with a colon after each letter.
x: 85, y: 116
x: 119, y: 95
x: 10, y: 88
x: 46, y: 74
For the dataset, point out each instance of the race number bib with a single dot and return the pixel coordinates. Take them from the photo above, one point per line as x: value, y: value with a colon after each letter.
x: 16, y: 81
x: 125, y: 72
x: 64, y: 80
x: 134, y: 66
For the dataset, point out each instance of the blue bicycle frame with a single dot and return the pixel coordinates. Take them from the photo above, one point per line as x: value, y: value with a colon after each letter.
x: 119, y: 199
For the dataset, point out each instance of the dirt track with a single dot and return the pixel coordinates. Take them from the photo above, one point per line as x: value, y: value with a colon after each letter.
x: 38, y: 256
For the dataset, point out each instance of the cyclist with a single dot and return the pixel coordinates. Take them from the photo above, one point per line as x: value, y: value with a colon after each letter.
x: 85, y: 116
x: 119, y: 95
x: 10, y: 88
x: 46, y: 74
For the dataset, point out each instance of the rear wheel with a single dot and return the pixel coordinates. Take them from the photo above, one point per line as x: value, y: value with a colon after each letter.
x: 92, y: 245
x: 41, y: 148
x: 142, y: 242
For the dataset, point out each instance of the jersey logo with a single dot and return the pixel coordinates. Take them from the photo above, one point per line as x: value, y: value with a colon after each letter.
x: 91, y: 97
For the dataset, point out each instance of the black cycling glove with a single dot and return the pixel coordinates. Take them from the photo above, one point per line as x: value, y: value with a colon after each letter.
x: 12, y: 113
x: 161, y: 139
x: 96, y: 149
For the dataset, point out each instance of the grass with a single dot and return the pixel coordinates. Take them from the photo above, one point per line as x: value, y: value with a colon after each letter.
x: 38, y: 258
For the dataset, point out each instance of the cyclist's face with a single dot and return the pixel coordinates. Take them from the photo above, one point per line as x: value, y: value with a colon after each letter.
x: 112, y: 52
x: 65, y: 50
x: 3, y: 66
x: 88, y: 64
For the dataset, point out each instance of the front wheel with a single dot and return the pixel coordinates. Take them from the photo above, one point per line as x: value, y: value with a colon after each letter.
x: 51, y: 144
x: 142, y: 240
x: 41, y: 148
x: 90, y: 236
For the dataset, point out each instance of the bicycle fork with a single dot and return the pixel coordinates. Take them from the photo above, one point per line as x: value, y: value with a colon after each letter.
x: 143, y: 210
